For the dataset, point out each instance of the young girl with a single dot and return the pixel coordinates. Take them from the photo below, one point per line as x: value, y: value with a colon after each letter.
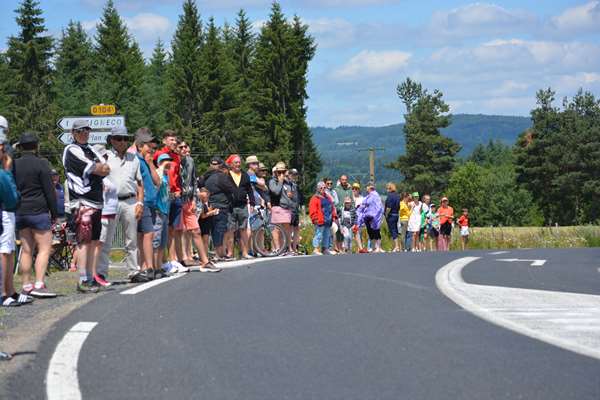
x: 433, y: 227
x: 463, y: 222
x: 347, y: 221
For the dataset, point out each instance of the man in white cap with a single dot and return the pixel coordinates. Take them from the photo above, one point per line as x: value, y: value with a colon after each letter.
x: 126, y: 175
x: 85, y: 170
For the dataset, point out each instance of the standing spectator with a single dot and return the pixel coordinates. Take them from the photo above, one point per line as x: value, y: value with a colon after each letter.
x: 433, y: 226
x: 189, y: 217
x: 9, y: 199
x: 262, y: 186
x: 463, y: 222
x: 206, y: 219
x: 60, y: 194
x: 446, y: 216
x: 171, y: 142
x: 163, y: 206
x: 219, y: 184
x: 295, y: 221
x: 85, y: 170
x: 370, y: 214
x: 424, y: 213
x: 282, y: 201
x: 126, y: 176
x: 358, y: 198
x: 145, y: 146
x: 110, y: 209
x: 322, y: 214
x: 392, y: 210
x: 414, y: 222
x: 403, y: 221
x: 347, y: 220
x: 242, y: 198
x: 35, y: 214
x: 342, y: 190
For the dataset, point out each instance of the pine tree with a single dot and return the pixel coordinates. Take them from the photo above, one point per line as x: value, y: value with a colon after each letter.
x: 155, y: 89
x: 121, y: 67
x: 270, y: 89
x: 430, y: 156
x: 30, y: 79
x: 305, y: 157
x: 185, y: 87
x: 74, y: 71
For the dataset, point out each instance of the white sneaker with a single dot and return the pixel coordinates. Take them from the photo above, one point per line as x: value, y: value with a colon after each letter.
x: 168, y: 267
x: 178, y: 267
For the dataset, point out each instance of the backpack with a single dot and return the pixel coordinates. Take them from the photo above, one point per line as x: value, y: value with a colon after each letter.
x: 9, y: 195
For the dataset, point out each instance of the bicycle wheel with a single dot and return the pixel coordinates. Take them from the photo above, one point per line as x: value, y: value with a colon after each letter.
x: 264, y: 243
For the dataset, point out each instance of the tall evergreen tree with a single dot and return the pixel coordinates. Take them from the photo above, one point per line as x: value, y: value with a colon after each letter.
x: 121, y: 67
x: 155, y: 89
x: 30, y: 79
x: 185, y: 87
x: 74, y: 71
x: 430, y: 156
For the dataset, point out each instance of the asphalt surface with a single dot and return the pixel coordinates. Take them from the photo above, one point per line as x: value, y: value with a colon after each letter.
x: 346, y: 327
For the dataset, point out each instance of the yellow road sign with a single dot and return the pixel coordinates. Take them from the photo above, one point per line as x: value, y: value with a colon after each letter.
x: 103, y: 109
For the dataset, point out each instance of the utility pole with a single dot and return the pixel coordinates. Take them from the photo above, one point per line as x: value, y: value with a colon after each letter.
x: 371, y: 151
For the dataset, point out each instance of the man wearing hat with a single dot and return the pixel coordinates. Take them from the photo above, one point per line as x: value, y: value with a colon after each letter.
x: 35, y: 214
x: 125, y: 174
x: 242, y: 198
x: 85, y: 169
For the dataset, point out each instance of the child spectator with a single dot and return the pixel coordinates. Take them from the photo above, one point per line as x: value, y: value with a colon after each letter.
x: 433, y: 226
x: 205, y: 220
x: 446, y: 214
x: 463, y: 222
x: 347, y: 221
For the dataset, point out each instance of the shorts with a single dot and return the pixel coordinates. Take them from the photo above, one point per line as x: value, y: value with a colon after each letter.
x: 446, y: 228
x: 238, y: 218
x: 220, y: 222
x: 374, y: 234
x: 189, y: 218
x: 161, y: 231
x: 8, y: 239
x: 206, y: 225
x: 175, y: 214
x: 464, y: 231
x: 87, y: 224
x: 433, y: 232
x: 295, y: 221
x: 146, y: 223
x: 280, y: 215
x: 38, y: 222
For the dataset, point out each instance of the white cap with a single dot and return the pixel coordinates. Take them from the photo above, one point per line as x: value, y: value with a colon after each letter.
x: 3, y: 122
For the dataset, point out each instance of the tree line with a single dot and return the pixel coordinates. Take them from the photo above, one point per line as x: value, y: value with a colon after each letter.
x: 551, y: 175
x: 225, y: 89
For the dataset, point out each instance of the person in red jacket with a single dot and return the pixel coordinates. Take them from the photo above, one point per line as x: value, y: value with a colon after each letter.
x: 322, y: 214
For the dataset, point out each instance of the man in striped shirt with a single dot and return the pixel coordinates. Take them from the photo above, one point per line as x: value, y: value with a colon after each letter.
x: 85, y: 169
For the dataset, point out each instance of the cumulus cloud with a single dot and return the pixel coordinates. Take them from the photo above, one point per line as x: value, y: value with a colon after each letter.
x: 369, y: 63
x: 579, y: 19
x: 148, y: 26
x: 332, y: 32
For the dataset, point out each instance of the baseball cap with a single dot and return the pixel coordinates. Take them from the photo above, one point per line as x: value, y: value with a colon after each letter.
x: 164, y: 157
x: 80, y: 124
x: 53, y: 172
x: 119, y: 131
x: 444, y: 199
x: 356, y: 186
x: 252, y: 160
x: 293, y: 171
x: 415, y: 194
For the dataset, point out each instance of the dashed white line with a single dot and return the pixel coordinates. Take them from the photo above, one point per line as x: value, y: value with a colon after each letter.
x: 61, y: 380
x: 496, y: 253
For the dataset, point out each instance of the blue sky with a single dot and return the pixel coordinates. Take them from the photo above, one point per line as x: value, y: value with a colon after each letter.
x: 486, y: 57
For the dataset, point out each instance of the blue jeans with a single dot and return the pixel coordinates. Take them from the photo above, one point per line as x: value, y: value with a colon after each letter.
x: 322, y: 237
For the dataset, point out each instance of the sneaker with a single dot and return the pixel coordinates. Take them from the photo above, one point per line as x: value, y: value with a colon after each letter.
x: 330, y: 252
x: 139, y: 277
x: 100, y: 280
x: 178, y: 268
x: 87, y: 287
x: 22, y: 298
x: 363, y: 251
x: 248, y: 257
x: 317, y: 252
x: 209, y: 267
x: 42, y: 293
x: 8, y: 301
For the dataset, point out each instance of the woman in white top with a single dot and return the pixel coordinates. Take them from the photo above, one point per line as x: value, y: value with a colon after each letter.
x: 358, y: 199
x: 414, y: 222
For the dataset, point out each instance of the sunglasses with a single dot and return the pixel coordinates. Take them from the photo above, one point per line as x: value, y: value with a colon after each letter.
x: 119, y: 138
x: 83, y: 130
x: 329, y: 183
x: 185, y: 146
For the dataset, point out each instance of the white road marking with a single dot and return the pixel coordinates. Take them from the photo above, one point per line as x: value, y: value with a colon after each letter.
x: 61, y: 380
x: 539, y: 314
x: 496, y: 253
x: 534, y: 263
x: 151, y: 284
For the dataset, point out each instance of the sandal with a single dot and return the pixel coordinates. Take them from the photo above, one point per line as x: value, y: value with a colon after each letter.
x: 10, y: 302
x: 22, y: 298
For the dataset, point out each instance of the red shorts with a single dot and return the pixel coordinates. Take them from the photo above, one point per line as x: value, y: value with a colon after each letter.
x: 189, y: 219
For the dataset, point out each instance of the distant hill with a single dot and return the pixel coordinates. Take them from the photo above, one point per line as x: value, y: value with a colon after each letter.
x: 339, y: 146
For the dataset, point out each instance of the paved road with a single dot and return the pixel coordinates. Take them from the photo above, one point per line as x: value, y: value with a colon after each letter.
x: 347, y: 327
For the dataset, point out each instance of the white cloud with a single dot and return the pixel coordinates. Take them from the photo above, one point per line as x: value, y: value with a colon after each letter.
x: 345, y: 3
x: 332, y: 32
x: 573, y: 82
x: 510, y: 87
x: 583, y: 18
x: 148, y: 26
x: 373, y: 64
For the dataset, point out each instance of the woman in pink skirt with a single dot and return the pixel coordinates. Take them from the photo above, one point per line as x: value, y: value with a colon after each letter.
x: 283, y: 201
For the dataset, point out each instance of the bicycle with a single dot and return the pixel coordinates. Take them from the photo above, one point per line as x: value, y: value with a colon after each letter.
x: 263, y: 233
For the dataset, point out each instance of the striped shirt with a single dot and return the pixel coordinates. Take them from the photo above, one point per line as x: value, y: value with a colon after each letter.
x: 85, y: 188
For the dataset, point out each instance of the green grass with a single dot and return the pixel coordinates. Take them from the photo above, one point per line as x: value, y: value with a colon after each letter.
x: 503, y: 238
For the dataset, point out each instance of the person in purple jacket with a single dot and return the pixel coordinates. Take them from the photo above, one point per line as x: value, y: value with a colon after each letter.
x: 370, y: 213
